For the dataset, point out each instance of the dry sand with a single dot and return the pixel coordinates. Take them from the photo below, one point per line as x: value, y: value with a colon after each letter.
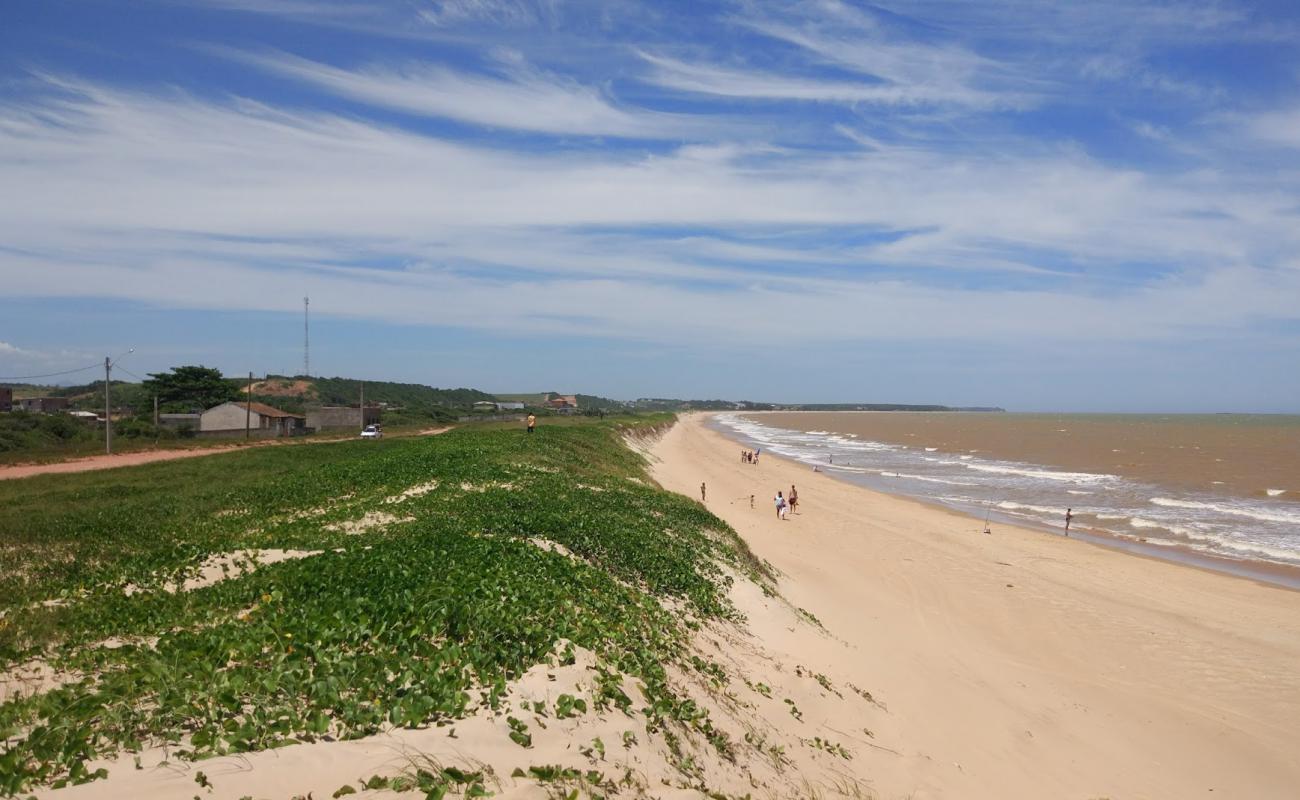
x: 1020, y: 664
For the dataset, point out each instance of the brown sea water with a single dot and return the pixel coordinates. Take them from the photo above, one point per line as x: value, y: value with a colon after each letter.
x: 1238, y: 454
x: 1221, y: 486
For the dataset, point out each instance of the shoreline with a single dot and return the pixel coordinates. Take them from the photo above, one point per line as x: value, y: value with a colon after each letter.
x: 1270, y: 573
x: 1019, y: 665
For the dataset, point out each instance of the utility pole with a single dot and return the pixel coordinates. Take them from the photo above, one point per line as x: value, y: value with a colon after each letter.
x: 108, y: 406
x: 306, y: 337
x: 108, y: 410
x: 155, y: 411
x: 363, y: 405
x: 248, y: 409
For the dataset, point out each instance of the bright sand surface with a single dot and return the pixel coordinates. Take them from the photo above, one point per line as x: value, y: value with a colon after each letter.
x: 1019, y: 664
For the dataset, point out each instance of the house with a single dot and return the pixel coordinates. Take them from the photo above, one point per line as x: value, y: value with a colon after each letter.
x: 267, y: 421
x: 42, y: 405
x: 512, y: 406
x: 341, y: 417
x: 562, y: 403
x: 485, y: 405
x: 6, y: 399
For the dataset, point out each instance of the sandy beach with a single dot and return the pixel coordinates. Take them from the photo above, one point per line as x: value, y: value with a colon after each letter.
x: 1018, y: 664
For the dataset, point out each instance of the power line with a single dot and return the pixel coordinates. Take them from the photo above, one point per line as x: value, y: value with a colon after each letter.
x: 129, y: 372
x: 47, y: 375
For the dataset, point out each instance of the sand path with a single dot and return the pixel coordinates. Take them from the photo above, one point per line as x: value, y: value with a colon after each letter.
x: 1022, y: 664
x: 149, y: 456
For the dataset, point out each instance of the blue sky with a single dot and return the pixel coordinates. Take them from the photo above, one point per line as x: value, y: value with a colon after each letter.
x: 1077, y: 206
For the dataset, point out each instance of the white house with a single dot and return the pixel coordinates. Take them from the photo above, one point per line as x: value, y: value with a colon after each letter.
x: 268, y: 421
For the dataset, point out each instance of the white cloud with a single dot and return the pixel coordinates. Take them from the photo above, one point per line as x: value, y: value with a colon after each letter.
x: 184, y: 203
x: 521, y: 99
x: 738, y: 83
x: 1277, y: 127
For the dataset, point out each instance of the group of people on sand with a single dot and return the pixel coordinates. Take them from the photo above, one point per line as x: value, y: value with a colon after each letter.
x: 749, y: 456
x: 786, y: 504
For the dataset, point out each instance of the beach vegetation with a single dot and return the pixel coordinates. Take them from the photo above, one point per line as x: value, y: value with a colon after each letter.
x: 398, y: 609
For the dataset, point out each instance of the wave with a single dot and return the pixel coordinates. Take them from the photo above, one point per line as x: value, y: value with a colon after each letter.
x: 1140, y: 522
x: 1275, y: 492
x: 931, y: 449
x: 1010, y: 506
x: 1076, y: 477
x: 1237, y: 511
x: 926, y: 478
x: 1076, y: 491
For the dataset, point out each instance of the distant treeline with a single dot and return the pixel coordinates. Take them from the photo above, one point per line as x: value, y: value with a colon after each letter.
x: 342, y: 391
x: 667, y: 404
x: 885, y: 407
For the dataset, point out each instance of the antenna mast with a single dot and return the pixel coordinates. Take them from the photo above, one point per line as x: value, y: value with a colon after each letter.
x: 306, y: 337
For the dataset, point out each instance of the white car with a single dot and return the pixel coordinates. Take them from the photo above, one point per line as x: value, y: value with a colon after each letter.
x: 372, y: 432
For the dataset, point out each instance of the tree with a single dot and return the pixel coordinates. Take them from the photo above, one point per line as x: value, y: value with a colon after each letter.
x: 190, y: 388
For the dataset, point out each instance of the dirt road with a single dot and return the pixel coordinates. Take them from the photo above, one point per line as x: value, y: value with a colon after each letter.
x: 149, y: 456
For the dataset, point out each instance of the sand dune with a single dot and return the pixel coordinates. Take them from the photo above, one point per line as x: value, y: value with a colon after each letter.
x: 1019, y: 664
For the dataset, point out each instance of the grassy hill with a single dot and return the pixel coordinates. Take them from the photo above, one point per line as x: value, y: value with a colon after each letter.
x: 557, y: 547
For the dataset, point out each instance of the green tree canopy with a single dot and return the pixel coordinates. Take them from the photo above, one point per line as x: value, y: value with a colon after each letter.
x: 191, y: 388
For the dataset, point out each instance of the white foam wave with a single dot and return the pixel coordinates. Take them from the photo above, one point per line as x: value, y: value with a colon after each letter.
x: 1075, y: 477
x: 1010, y: 506
x: 1076, y: 491
x: 1275, y: 492
x: 926, y: 478
x: 1222, y: 508
x: 931, y: 449
x: 1140, y: 522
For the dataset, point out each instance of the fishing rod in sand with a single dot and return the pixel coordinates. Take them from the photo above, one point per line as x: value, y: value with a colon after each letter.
x: 988, y: 505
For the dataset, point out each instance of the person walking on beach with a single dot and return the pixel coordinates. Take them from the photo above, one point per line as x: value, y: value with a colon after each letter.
x: 794, y: 499
x: 1068, y: 516
x: 532, y: 422
x: 780, y: 505
x: 756, y: 452
x: 701, y: 491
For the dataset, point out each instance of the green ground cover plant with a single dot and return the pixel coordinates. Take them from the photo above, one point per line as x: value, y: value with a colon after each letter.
x: 443, y: 569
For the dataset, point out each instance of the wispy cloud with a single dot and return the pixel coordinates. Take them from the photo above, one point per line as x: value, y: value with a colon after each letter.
x: 751, y: 84
x: 182, y: 202
x: 519, y: 97
x: 1281, y: 126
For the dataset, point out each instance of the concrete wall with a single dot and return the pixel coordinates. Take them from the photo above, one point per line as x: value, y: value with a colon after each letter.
x: 255, y: 433
x: 180, y: 421
x: 333, y: 417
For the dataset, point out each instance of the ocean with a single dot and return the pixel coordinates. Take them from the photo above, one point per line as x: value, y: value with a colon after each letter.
x: 1227, y: 486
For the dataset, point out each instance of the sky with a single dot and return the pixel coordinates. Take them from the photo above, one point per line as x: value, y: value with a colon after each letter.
x: 1035, y: 205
